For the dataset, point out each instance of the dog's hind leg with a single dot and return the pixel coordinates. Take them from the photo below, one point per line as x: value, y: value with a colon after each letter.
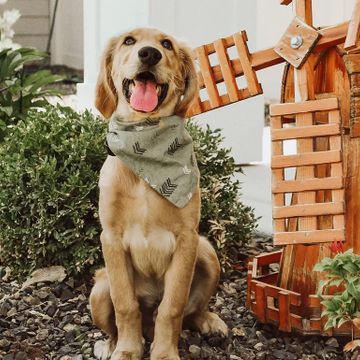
x: 206, y: 278
x: 103, y: 315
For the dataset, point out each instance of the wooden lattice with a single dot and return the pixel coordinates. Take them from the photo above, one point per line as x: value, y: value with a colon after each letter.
x: 209, y: 77
x: 308, y: 200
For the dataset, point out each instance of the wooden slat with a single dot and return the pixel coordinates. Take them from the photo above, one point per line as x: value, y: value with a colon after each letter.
x: 195, y: 106
x: 336, y: 170
x: 268, y: 258
x: 206, y: 72
x: 311, y: 236
x: 278, y: 174
x: 244, y: 56
x: 226, y: 70
x: 305, y: 131
x: 307, y: 158
x: 331, y: 36
x: 304, y: 107
x: 290, y: 186
x: 354, y: 28
x: 316, y: 209
x: 284, y: 312
x: 224, y: 100
x: 260, y: 302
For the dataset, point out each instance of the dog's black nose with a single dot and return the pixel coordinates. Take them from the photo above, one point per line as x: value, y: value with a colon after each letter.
x: 149, y: 55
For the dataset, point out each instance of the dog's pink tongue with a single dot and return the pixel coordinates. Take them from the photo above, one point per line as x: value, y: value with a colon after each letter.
x: 144, y: 96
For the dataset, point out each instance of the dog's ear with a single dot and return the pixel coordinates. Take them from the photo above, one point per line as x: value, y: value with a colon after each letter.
x: 191, y: 88
x: 106, y: 98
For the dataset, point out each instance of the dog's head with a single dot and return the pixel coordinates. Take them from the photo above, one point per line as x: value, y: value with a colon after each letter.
x: 146, y: 73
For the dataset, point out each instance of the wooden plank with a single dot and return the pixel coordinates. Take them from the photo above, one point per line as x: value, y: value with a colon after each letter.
x: 308, y: 237
x: 260, y: 302
x: 224, y: 100
x: 336, y: 170
x: 354, y: 28
x: 299, y: 132
x: 284, y: 312
x: 290, y: 186
x: 278, y: 174
x: 273, y: 291
x: 304, y: 107
x: 229, y: 78
x: 331, y: 36
x: 244, y: 56
x: 316, y: 209
x: 269, y: 258
x: 306, y: 158
x: 206, y: 72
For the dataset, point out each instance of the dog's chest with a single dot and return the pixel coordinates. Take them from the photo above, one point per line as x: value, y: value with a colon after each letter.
x: 151, y: 252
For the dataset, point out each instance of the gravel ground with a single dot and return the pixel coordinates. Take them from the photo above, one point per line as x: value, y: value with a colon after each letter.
x: 52, y: 321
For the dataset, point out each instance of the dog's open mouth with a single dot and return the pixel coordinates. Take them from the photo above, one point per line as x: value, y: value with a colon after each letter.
x: 143, y: 92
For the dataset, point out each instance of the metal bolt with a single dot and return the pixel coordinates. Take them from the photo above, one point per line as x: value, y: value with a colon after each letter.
x: 296, y: 41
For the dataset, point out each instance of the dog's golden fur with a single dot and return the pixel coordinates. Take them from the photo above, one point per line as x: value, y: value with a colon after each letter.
x: 153, y: 253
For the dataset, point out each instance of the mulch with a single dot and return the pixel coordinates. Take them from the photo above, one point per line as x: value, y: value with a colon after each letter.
x: 52, y: 321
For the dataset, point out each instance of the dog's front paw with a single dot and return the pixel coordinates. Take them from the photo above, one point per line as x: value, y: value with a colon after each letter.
x: 103, y: 349
x: 210, y: 323
x: 125, y: 355
x: 163, y: 354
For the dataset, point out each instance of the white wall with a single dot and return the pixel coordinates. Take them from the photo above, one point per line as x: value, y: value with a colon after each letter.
x: 67, y: 45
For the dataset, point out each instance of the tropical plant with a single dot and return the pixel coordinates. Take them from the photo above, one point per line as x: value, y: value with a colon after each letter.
x: 20, y: 91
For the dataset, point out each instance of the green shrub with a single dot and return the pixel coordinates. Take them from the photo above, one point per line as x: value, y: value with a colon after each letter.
x: 225, y: 220
x: 48, y: 192
x: 50, y: 165
x: 20, y: 91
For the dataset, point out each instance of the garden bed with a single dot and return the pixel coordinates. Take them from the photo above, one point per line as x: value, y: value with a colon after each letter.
x: 52, y: 321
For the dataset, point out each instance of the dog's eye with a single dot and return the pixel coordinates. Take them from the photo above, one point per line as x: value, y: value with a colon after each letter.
x: 167, y: 44
x: 129, y: 40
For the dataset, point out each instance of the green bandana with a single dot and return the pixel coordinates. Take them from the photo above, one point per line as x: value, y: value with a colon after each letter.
x: 160, y: 152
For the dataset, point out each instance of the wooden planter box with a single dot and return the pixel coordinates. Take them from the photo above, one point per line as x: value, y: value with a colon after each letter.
x: 279, y: 306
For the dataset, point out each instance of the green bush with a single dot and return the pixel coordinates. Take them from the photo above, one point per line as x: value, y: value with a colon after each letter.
x: 50, y: 165
x: 225, y: 220
x: 20, y: 91
x: 48, y: 192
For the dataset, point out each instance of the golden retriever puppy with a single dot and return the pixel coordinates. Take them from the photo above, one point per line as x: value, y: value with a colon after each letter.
x: 153, y: 254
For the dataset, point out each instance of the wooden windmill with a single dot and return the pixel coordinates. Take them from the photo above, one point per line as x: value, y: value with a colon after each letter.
x: 320, y: 110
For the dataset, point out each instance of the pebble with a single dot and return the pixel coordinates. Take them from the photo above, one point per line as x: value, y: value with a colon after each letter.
x: 59, y: 327
x: 332, y: 342
x: 194, y: 351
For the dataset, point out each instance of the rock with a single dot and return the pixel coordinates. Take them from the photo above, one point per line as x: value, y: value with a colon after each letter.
x: 9, y: 357
x: 21, y: 355
x: 4, y: 344
x: 332, y: 342
x: 42, y: 334
x: 259, y: 346
x: 194, y: 351
x: 281, y: 354
x: 238, y: 331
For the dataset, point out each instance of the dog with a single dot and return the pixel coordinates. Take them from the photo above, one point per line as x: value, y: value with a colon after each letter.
x: 156, y: 264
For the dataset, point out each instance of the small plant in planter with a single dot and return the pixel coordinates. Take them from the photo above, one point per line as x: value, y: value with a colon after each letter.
x: 343, y: 271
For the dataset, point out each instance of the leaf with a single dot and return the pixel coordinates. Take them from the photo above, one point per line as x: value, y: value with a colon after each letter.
x: 352, y: 345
